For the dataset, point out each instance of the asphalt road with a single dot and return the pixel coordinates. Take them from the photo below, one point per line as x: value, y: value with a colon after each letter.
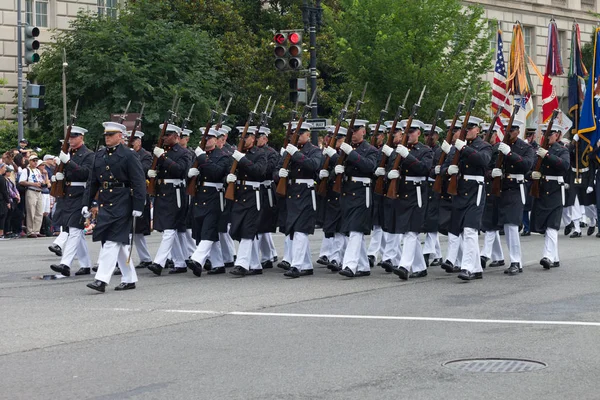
x: 319, y: 337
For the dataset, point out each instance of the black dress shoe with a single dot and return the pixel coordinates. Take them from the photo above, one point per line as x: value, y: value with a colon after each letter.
x: 207, y: 264
x: 95, y: 268
x: 498, y: 263
x: 195, y: 267
x: 169, y: 264
x: 401, y: 272
x: 229, y: 265
x: 334, y: 266
x: 469, y: 276
x: 125, y: 286
x: 436, y: 262
x: 255, y: 271
x: 284, y: 265
x: 450, y: 268
x: 362, y: 273
x: 525, y: 233
x: 426, y: 258
x: 216, y: 271
x: 117, y: 271
x: 598, y: 234
x: 347, y: 272
x: 55, y: 249
x: 575, y: 235
x: 296, y: 273
x: 514, y: 269
x: 484, y: 261
x: 61, y: 269
x: 143, y: 264
x: 323, y: 260
x: 267, y: 264
x: 546, y: 263
x: 591, y: 230
x: 238, y: 271
x: 420, y: 274
x: 371, y: 261
x: 555, y: 264
x: 155, y: 268
x: 583, y: 225
x: 97, y: 285
x: 274, y: 259
x: 387, y: 265
x: 178, y: 271
x: 569, y: 228
x: 83, y: 271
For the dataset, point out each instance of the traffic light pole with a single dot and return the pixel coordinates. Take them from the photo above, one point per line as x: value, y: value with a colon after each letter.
x: 19, y: 72
x: 312, y: 19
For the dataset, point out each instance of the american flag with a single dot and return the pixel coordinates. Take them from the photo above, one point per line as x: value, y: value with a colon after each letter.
x: 499, y: 96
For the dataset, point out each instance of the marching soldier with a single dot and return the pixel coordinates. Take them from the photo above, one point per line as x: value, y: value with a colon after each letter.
x: 547, y: 209
x: 431, y: 247
x: 170, y: 203
x: 301, y: 200
x: 268, y: 212
x: 188, y: 245
x: 530, y: 140
x: 356, y: 200
x: 118, y: 179
x: 581, y: 187
x: 376, y: 243
x: 78, y: 162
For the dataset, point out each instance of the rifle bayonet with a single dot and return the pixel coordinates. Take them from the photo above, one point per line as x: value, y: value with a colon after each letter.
x: 444, y: 104
x: 421, y: 97
x: 123, y: 116
x: 74, y: 114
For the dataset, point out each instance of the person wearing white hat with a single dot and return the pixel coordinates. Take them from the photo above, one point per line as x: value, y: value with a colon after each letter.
x: 469, y: 202
x: 431, y: 246
x: 530, y: 134
x: 375, y: 245
x: 78, y: 163
x: 117, y: 178
x: 170, y: 203
x: 547, y: 208
x: 356, y: 200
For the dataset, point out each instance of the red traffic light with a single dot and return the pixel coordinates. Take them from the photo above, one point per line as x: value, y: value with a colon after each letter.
x: 294, y: 38
x: 279, y: 38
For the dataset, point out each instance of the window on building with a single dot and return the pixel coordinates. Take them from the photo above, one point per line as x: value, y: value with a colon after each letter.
x: 493, y: 29
x: 588, y: 5
x: 36, y: 12
x: 529, y: 39
x: 108, y: 7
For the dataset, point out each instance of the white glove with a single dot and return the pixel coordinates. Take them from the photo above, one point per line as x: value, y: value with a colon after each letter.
x: 446, y: 147
x: 387, y: 150
x: 193, y: 172
x: 589, y: 190
x: 541, y: 152
x: 64, y: 157
x: 598, y: 143
x: 136, y: 214
x: 231, y: 178
x: 496, y: 172
x: 339, y: 169
x: 453, y: 170
x: 85, y: 212
x: 53, y: 179
x: 536, y: 175
x: 459, y: 144
x: 437, y: 169
x: 237, y: 155
x: 576, y: 138
x: 291, y: 149
x: 152, y: 173
x: 329, y: 151
x: 57, y: 160
x: 393, y: 174
x: 283, y: 173
x: 158, y: 152
x: 346, y: 148
x: 59, y: 176
x: 199, y: 151
x: 402, y: 151
x: 380, y: 171
x: 567, y: 186
x: 504, y: 148
x: 323, y: 174
x: 281, y: 152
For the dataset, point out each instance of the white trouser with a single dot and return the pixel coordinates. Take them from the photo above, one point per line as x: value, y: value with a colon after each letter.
x: 412, y: 254
x: 355, y: 256
x: 112, y: 253
x: 187, y: 243
x: 266, y: 247
x: 203, y: 251
x: 513, y: 241
x: 170, y: 245
x: 432, y: 245
x: 216, y: 255
x: 76, y: 245
x: 338, y: 247
x: 391, y: 247
x: 376, y: 242
x: 591, y: 213
x: 492, y: 247
x: 301, y: 252
x: 247, y: 256
x: 454, y: 245
x: 326, y: 247
x: 551, y: 245
x: 227, y: 247
x: 287, y: 249
x: 142, y: 247
x: 61, y: 240
x: 470, y: 259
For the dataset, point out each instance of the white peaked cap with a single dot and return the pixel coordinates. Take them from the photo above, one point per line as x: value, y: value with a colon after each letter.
x: 358, y: 122
x: 305, y: 126
x: 138, y: 134
x: 388, y: 124
x: 448, y: 123
x: 382, y: 127
x: 82, y: 131
x: 113, y: 127
x: 211, y: 132
x: 224, y: 128
x: 186, y: 132
x: 472, y: 120
x: 415, y: 123
x: 515, y: 122
x: 171, y: 128
x: 555, y: 127
x: 427, y: 128
x: 485, y: 126
x: 264, y: 130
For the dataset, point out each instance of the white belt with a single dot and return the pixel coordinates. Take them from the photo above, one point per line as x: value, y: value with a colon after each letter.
x: 81, y: 184
x: 559, y: 179
x: 217, y: 185
x: 361, y: 179
x: 173, y: 181
x: 415, y: 178
x: 367, y: 183
x: 430, y: 179
x: 480, y: 180
x: 309, y: 182
x: 256, y: 186
x: 580, y: 169
x: 520, y: 178
x: 267, y: 185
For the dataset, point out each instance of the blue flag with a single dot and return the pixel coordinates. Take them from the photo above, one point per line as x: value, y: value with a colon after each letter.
x: 590, y: 110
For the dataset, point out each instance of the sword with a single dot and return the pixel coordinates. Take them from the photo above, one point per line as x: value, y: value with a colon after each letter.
x: 132, y: 242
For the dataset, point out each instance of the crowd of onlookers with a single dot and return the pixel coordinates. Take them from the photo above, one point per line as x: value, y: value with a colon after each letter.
x: 25, y: 201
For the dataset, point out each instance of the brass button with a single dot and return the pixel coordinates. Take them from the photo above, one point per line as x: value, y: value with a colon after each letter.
x: 195, y: 204
x: 107, y: 167
x: 203, y: 204
x: 111, y: 204
x: 110, y: 190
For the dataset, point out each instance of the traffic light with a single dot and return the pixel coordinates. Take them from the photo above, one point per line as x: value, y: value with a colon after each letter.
x: 31, y: 44
x: 33, y: 96
x: 298, y: 90
x: 288, y: 50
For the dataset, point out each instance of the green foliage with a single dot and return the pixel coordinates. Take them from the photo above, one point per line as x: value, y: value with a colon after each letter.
x: 8, y: 135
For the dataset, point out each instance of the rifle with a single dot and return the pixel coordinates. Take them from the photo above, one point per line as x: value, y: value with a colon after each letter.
x: 138, y: 122
x: 439, y: 114
x: 497, y: 182
x: 535, y: 186
x: 263, y: 116
x: 488, y: 135
x: 186, y: 121
x: 382, y: 115
x: 270, y: 114
x: 230, y: 193
x: 437, y: 185
x: 337, y: 186
x: 322, y: 187
x: 282, y: 184
x: 379, y: 183
x: 151, y: 189
x: 288, y: 133
x: 393, y: 186
x: 453, y: 185
x: 58, y: 187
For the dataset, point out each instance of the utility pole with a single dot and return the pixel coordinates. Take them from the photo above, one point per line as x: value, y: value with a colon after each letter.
x: 311, y: 16
x: 19, y: 72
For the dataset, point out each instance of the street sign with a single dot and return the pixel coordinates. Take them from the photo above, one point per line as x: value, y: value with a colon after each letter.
x: 319, y: 123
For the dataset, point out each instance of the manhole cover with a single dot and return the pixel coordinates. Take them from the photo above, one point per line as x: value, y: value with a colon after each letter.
x: 495, y: 365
